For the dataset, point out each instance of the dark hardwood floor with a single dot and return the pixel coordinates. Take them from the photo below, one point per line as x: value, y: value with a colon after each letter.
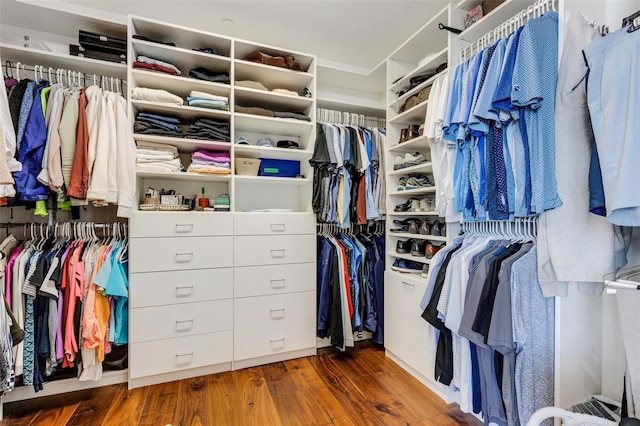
x: 360, y: 387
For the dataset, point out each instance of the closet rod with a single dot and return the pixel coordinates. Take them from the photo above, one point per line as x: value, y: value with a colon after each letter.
x: 59, y: 73
x: 10, y: 225
x: 509, y: 26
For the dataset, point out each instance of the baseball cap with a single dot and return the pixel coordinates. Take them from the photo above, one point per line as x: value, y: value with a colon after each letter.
x: 288, y: 144
x: 266, y: 142
x: 241, y: 140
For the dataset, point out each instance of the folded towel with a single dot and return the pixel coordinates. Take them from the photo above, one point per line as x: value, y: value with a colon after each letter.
x: 208, y: 103
x: 154, y: 146
x: 203, y: 95
x: 156, y: 95
x: 153, y: 61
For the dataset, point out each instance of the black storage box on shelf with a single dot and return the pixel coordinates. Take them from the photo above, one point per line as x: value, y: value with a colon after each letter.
x: 94, y: 54
x: 102, y: 43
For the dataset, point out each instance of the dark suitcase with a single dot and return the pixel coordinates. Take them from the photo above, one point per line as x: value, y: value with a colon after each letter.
x: 94, y: 54
x: 102, y: 43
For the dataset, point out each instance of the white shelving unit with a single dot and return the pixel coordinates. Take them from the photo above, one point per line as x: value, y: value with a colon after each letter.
x: 240, y: 253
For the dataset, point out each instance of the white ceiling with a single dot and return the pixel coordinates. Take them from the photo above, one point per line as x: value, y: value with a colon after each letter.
x: 351, y: 35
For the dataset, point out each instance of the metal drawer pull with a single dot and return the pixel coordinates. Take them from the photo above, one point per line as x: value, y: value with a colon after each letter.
x: 186, y: 257
x: 184, y: 227
x: 189, y: 323
x: 273, y: 251
x: 184, y: 287
x: 181, y: 321
x: 281, y: 280
x: 185, y: 354
x: 408, y: 284
x: 277, y: 340
x: 277, y: 310
x: 277, y: 227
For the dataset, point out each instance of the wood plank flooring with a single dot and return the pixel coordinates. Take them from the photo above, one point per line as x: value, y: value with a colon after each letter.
x: 360, y: 387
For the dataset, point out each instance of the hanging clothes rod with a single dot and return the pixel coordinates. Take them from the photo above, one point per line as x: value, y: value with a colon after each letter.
x: 348, y: 118
x: 508, y: 27
x: 62, y: 75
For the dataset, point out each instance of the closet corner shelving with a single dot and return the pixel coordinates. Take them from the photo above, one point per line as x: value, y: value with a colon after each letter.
x: 246, y: 265
x: 497, y: 16
x: 406, y: 341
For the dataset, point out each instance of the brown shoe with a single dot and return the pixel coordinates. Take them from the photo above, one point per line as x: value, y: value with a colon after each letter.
x: 432, y: 248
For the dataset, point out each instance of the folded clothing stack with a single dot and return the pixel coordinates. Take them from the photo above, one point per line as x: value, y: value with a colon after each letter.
x: 157, y: 157
x: 156, y: 95
x: 269, y: 113
x: 155, y: 124
x: 201, y: 73
x: 156, y: 65
x: 209, y: 129
x: 222, y: 203
x: 210, y: 162
x: 207, y: 100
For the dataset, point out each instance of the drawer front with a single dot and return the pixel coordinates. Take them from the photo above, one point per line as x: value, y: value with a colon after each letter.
x: 167, y: 356
x: 274, y: 250
x: 275, y: 338
x: 274, y: 224
x: 174, y: 254
x: 265, y: 280
x: 165, y: 322
x: 180, y: 224
x: 168, y: 288
x: 279, y: 308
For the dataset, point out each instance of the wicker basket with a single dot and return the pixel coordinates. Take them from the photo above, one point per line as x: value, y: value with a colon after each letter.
x: 424, y: 94
x: 489, y: 5
x: 247, y: 166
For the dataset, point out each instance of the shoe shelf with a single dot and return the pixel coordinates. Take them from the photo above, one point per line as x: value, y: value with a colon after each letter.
x: 402, y: 99
x: 27, y: 55
x: 411, y: 116
x: 434, y: 213
x: 408, y: 256
x: 417, y: 236
x: 419, y: 191
x: 177, y: 85
x: 431, y: 64
x: 183, y: 59
x: 270, y: 100
x: 418, y: 168
x: 410, y: 145
x: 270, y: 125
x: 272, y: 77
x: 184, y: 144
x: 184, y: 176
x: 268, y: 152
x: 184, y: 112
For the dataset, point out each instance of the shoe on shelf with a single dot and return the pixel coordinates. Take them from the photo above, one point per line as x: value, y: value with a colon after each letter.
x: 403, y: 228
x: 405, y: 222
x: 413, y: 131
x: 402, y: 184
x: 398, y: 163
x: 425, y: 270
x: 438, y: 229
x: 403, y: 135
x: 417, y: 181
x: 414, y: 226
x: 415, y: 205
x: 425, y: 228
x: 408, y: 266
x: 418, y: 247
x: 427, y: 204
x: 431, y: 248
x: 404, y: 246
x: 407, y: 205
x: 413, y: 160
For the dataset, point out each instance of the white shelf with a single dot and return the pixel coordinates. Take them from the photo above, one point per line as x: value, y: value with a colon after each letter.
x: 411, y: 145
x: 372, y: 109
x: 408, y: 256
x: 417, y: 214
x: 468, y: 4
x: 274, y: 101
x: 187, y: 176
x: 419, y: 191
x: 488, y: 23
x: 271, y: 125
x: 182, y: 112
x: 177, y: 85
x: 417, y: 236
x: 55, y: 60
x: 182, y: 36
x: 415, y: 115
x: 428, y: 35
x: 269, y: 152
x: 270, y: 180
x: 402, y: 99
x: 244, y: 48
x: 430, y: 65
x: 183, y: 59
x: 405, y: 276
x: 420, y: 168
x: 184, y: 144
x: 272, y: 77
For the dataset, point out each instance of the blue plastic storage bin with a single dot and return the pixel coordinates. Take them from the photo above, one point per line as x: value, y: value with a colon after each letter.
x: 279, y: 168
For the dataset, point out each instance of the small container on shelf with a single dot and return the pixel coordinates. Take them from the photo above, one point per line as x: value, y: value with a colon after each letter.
x: 247, y: 166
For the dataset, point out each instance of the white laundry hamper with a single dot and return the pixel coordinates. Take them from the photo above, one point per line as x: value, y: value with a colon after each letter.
x: 568, y: 418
